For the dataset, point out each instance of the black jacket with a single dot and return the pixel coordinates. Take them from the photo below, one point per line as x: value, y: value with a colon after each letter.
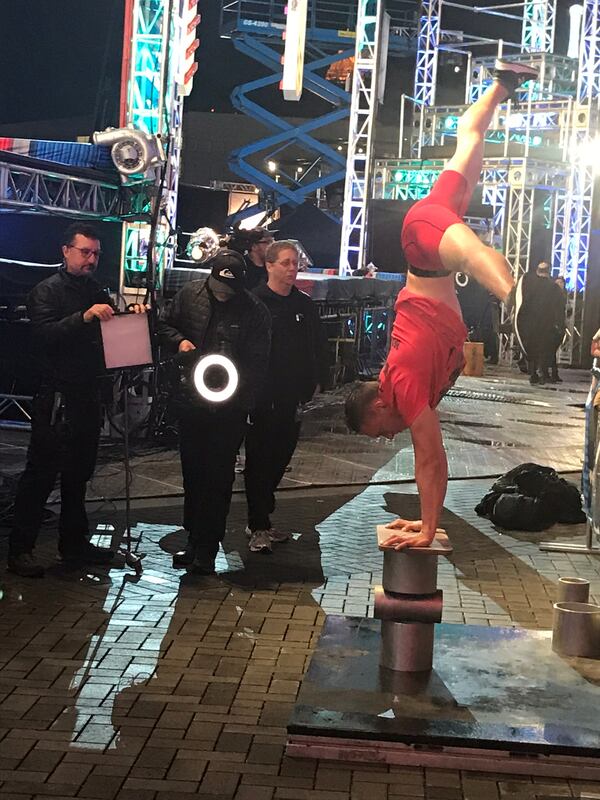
x: 255, y: 275
x: 539, y: 310
x: 68, y: 350
x: 531, y: 497
x: 240, y: 327
x: 298, y: 359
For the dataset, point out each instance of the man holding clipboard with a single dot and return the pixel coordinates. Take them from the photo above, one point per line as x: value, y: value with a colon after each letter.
x: 65, y: 311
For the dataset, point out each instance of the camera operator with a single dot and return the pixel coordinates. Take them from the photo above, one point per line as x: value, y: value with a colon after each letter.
x: 65, y: 311
x: 216, y: 315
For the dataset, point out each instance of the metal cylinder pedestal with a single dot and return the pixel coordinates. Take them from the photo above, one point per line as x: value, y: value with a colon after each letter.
x: 573, y: 590
x: 406, y: 646
x: 409, y: 603
x: 576, y: 630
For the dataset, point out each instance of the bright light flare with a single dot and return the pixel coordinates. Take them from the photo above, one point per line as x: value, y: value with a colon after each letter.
x: 212, y: 395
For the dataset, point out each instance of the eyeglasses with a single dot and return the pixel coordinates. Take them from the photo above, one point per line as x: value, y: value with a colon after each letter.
x: 85, y: 251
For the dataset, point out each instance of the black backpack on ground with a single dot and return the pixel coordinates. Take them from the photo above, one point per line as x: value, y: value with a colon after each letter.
x: 531, y: 497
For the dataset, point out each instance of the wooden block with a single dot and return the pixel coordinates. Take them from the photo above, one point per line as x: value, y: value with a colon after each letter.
x: 439, y: 547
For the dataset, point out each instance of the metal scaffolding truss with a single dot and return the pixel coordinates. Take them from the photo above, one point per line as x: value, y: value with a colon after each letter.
x: 588, y: 87
x: 411, y: 179
x: 556, y: 77
x: 34, y: 189
x: 517, y: 243
x: 152, y: 103
x: 539, y: 22
x: 357, y: 187
x: 428, y: 42
x: 541, y: 126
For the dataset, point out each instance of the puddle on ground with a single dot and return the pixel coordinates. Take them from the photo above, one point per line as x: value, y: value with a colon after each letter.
x: 486, y: 442
x: 469, y: 424
x: 545, y: 423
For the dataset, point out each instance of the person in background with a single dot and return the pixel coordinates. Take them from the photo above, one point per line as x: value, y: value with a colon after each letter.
x: 297, y: 369
x: 65, y: 311
x: 559, y: 327
x: 258, y: 240
x: 536, y: 324
x: 214, y: 315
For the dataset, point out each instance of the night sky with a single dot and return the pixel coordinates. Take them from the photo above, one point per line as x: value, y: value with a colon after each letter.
x: 62, y: 58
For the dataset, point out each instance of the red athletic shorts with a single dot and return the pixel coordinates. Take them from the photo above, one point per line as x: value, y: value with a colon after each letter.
x: 428, y: 220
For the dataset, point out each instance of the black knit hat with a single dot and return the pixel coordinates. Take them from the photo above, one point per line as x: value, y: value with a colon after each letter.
x: 228, y: 267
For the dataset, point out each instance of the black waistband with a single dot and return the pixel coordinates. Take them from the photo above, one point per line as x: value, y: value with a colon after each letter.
x: 429, y: 273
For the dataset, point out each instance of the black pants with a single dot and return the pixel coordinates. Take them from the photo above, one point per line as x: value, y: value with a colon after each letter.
x: 539, y: 355
x: 208, y: 444
x: 67, y: 446
x: 270, y: 444
x: 556, y: 342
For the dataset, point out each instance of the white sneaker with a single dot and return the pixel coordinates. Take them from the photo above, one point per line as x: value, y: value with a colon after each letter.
x: 273, y: 534
x: 259, y: 542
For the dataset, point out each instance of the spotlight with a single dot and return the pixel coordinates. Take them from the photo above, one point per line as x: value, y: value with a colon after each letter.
x: 212, y: 395
x: 271, y: 166
x: 203, y: 245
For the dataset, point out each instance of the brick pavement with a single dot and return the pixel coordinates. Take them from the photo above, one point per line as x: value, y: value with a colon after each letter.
x: 171, y: 686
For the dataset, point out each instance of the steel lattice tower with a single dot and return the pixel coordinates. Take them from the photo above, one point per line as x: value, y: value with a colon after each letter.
x: 151, y: 102
x: 357, y: 188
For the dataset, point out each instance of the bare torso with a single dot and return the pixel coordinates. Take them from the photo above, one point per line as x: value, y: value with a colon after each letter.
x: 442, y: 289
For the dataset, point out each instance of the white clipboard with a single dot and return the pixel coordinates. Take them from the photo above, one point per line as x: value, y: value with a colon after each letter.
x: 126, y: 341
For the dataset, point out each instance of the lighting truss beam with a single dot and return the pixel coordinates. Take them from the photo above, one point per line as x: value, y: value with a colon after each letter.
x: 428, y: 41
x: 33, y: 189
x: 357, y: 187
x: 153, y: 104
x: 537, y: 33
x: 588, y: 86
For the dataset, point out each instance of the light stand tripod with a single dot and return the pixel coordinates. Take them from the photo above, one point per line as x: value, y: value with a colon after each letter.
x: 127, y: 346
x: 131, y: 559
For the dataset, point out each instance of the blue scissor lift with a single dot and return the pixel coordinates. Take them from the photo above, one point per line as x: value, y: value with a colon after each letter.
x: 256, y: 28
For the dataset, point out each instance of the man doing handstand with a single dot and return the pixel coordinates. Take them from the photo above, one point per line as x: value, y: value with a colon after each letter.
x: 426, y: 353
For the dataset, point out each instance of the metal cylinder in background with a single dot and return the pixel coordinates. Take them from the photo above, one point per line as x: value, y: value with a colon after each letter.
x: 407, y: 646
x: 576, y: 630
x: 573, y: 590
x: 409, y: 572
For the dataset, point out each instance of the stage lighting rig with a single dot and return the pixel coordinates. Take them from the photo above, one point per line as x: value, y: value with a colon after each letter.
x: 137, y: 155
x: 204, y: 244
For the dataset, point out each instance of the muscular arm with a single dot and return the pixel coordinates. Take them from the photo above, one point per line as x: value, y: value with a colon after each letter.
x: 431, y: 468
x: 431, y: 473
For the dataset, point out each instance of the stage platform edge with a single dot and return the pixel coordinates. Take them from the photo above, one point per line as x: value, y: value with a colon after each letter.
x: 497, y: 700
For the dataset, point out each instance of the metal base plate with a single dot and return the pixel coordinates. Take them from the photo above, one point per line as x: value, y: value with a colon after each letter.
x: 497, y: 699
